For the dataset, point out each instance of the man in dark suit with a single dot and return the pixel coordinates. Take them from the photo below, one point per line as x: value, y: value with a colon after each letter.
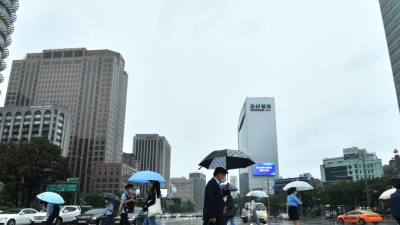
x: 213, y: 200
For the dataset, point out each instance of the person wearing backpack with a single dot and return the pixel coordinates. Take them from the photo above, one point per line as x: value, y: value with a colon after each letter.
x: 52, y: 213
x: 109, y: 212
x: 127, y: 205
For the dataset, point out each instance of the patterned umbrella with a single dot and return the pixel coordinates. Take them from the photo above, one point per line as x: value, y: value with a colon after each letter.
x: 227, y: 159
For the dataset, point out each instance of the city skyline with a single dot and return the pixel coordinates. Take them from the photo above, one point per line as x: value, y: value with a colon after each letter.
x: 192, y: 64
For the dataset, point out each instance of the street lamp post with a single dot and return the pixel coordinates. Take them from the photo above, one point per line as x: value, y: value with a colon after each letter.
x: 80, y: 158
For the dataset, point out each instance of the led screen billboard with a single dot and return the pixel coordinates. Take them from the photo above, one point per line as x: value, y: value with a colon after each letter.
x: 264, y: 169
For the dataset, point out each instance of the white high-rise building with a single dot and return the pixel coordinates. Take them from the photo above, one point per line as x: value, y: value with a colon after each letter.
x: 258, y: 139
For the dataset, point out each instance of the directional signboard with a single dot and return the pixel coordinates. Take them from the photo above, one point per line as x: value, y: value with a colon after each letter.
x: 170, y: 202
x: 75, y: 179
x: 62, y: 187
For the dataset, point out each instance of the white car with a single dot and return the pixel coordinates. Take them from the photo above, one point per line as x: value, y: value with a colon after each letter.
x: 260, y: 210
x: 67, y: 214
x: 284, y: 216
x: 167, y: 215
x: 16, y: 216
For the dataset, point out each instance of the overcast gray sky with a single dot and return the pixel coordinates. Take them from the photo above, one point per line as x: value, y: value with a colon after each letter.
x: 191, y: 65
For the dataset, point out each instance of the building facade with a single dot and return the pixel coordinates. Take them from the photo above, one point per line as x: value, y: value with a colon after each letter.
x: 25, y: 122
x: 8, y: 16
x: 106, y: 177
x: 258, y: 139
x: 199, y: 191
x: 337, y: 169
x: 186, y: 189
x: 154, y: 154
x: 129, y: 159
x: 92, y: 84
x: 391, y: 21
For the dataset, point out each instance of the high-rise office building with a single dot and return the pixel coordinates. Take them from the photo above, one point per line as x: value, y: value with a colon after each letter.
x: 8, y: 16
x: 257, y: 138
x: 154, y: 154
x: 233, y: 180
x: 186, y: 189
x: 92, y: 84
x: 200, y: 189
x: 26, y: 122
x: 391, y: 21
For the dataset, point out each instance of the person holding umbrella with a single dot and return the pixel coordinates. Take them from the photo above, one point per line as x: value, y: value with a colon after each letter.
x: 109, y: 211
x: 293, y: 202
x: 229, y: 205
x: 213, y: 201
x: 151, y: 200
x: 253, y: 211
x: 49, y: 212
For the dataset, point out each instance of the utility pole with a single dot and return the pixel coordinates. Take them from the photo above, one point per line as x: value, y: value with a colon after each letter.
x: 365, y: 176
x: 269, y: 211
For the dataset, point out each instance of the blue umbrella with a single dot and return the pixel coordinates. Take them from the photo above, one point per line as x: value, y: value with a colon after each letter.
x: 146, y: 176
x: 51, y: 197
x: 232, y: 188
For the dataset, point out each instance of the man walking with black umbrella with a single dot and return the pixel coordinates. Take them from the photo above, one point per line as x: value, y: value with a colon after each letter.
x: 213, y: 200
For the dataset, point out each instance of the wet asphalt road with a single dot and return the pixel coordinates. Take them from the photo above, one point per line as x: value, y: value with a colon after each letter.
x: 198, y: 221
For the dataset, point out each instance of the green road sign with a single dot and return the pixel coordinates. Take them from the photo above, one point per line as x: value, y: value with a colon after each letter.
x: 73, y: 179
x: 62, y: 187
x: 236, y: 205
x: 182, y: 205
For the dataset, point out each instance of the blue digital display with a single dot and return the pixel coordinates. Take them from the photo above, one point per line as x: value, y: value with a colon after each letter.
x: 264, y: 169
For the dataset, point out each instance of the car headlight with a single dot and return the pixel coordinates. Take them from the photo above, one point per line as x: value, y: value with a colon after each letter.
x: 3, y: 218
x: 74, y: 218
x: 94, y: 218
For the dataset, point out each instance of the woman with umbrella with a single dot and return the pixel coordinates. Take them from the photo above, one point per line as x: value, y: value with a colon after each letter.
x: 229, y: 205
x: 293, y: 202
x: 151, y: 200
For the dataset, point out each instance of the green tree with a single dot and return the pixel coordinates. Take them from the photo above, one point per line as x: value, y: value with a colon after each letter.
x: 25, y: 168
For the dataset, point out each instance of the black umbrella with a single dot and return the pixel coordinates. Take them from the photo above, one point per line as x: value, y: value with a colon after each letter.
x: 227, y: 159
x: 395, y: 179
x: 110, y: 196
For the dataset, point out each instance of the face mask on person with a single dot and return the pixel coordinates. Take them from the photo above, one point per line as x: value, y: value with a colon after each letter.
x: 131, y: 191
x: 106, y: 201
x: 295, y: 193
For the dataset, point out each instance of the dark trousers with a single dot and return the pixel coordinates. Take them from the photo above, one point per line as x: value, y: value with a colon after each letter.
x: 398, y: 220
x: 50, y: 221
x: 124, y: 219
x: 109, y: 220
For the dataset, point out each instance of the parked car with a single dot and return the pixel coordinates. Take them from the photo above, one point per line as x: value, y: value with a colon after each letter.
x: 95, y: 216
x: 283, y: 216
x: 178, y: 215
x: 16, y: 216
x: 159, y: 216
x: 137, y: 217
x: 167, y: 215
x: 260, y: 210
x: 67, y: 214
x: 85, y: 208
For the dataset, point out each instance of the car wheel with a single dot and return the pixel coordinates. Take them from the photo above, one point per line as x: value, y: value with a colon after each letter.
x: 362, y: 222
x: 11, y: 222
x: 58, y: 221
x: 341, y: 221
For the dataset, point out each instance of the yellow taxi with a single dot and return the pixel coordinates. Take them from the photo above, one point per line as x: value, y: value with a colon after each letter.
x: 360, y: 216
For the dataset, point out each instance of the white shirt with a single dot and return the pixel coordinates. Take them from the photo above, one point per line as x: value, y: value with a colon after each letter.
x: 252, y: 204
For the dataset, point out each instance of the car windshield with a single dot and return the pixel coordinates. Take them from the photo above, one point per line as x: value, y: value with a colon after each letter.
x: 11, y: 211
x: 260, y: 207
x: 95, y: 211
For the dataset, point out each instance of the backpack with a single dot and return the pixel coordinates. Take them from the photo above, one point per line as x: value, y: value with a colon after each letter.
x: 116, y: 209
x: 130, y: 207
x: 56, y: 211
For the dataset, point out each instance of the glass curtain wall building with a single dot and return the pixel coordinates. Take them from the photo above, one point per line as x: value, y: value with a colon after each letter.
x: 92, y: 85
x: 8, y: 16
x: 391, y: 21
x: 257, y: 138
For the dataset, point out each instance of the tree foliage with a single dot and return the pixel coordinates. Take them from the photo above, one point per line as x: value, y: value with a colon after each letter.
x: 26, y: 167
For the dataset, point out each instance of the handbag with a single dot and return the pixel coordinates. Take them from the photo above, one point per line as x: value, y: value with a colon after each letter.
x: 155, y: 209
x: 230, y: 212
